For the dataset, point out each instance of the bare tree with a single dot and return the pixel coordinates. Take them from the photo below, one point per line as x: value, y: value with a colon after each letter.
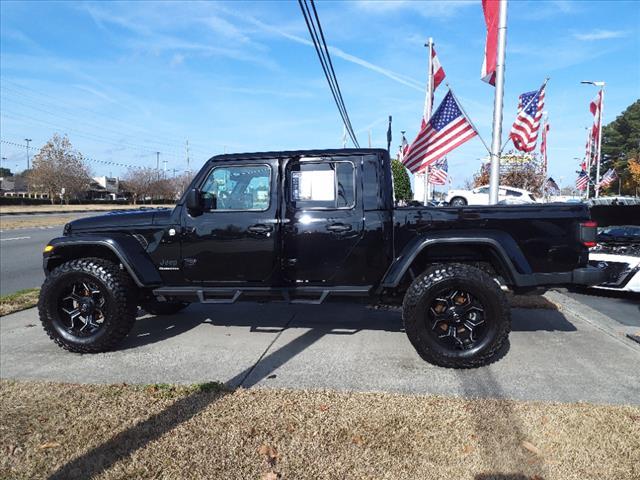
x: 139, y: 182
x: 59, y: 170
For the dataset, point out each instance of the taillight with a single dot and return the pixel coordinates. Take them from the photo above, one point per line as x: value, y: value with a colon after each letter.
x: 588, y: 232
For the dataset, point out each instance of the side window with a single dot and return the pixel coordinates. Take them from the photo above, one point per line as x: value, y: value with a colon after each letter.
x: 245, y: 187
x: 322, y: 184
x: 483, y: 190
x: 513, y: 193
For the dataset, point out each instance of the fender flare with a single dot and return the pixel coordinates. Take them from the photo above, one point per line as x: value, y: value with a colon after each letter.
x: 507, y: 252
x: 126, y: 248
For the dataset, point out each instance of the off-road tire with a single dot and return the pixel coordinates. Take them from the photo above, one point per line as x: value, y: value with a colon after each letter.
x: 119, y: 309
x: 163, y: 308
x: 498, y: 315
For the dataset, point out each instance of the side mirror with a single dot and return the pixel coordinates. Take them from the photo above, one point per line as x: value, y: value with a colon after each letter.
x: 194, y: 200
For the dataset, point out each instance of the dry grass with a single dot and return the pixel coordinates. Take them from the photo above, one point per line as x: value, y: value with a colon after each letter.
x: 9, y: 223
x: 530, y: 301
x: 109, y: 432
x: 20, y: 300
x: 69, y: 208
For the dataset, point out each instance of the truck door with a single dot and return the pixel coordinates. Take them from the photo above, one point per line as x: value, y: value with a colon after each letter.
x: 323, y: 221
x: 236, y: 237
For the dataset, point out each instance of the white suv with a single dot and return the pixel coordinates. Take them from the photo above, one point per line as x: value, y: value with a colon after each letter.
x: 480, y: 196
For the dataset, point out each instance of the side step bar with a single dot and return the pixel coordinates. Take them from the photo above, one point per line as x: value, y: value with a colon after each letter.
x: 227, y: 295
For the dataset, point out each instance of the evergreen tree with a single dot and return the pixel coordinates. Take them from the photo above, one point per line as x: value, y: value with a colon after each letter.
x: 620, y: 145
x: 401, y: 182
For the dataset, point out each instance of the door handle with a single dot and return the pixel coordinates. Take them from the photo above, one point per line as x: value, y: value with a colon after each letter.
x: 338, y: 227
x: 260, y: 228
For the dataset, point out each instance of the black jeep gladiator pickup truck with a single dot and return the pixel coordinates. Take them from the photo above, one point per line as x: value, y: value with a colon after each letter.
x: 304, y: 226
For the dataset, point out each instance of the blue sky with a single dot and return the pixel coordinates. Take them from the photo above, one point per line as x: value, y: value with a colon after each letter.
x: 125, y: 80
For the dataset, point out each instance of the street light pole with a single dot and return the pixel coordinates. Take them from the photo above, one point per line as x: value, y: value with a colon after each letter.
x: 599, y: 146
x: 27, y: 140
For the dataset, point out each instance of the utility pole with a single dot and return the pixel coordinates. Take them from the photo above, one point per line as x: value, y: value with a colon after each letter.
x: 496, y: 140
x: 157, y: 160
x: 187, y: 149
x: 164, y: 170
x: 599, y: 145
x: 28, y: 140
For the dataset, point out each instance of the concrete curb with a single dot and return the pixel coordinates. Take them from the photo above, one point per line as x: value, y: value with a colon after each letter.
x: 602, y: 322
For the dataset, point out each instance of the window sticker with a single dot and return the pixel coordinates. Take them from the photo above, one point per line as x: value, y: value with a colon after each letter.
x: 313, y: 185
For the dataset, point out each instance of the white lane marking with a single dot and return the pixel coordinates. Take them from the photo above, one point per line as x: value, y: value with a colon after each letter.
x: 14, y: 238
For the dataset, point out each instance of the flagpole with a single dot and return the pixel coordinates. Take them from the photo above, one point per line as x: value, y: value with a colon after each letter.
x: 600, y: 138
x: 587, y: 160
x: 545, y: 121
x: 464, y: 113
x: 496, y: 141
x: 427, y: 109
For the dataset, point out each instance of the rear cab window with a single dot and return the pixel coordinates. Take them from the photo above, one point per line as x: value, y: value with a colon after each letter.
x: 321, y: 184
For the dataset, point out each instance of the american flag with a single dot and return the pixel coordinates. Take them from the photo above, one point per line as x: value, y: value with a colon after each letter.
x: 543, y: 145
x: 582, y: 181
x: 438, y: 174
x: 447, y: 129
x: 524, y: 132
x: 551, y: 187
x: 608, y: 178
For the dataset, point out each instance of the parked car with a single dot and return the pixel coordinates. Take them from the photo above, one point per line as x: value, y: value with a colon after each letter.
x: 303, y: 226
x: 618, y: 252
x: 480, y: 196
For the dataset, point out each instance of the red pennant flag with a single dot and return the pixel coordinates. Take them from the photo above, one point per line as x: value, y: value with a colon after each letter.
x: 491, y: 10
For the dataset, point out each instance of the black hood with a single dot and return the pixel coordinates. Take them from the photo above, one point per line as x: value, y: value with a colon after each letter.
x: 119, y: 220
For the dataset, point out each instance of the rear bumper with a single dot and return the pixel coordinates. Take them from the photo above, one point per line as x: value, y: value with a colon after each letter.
x: 580, y: 276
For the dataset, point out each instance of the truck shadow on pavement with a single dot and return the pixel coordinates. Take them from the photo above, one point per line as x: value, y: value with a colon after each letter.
x: 340, y: 318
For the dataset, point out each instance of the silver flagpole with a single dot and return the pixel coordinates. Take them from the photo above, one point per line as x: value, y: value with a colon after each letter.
x: 496, y: 141
x: 587, y: 160
x: 428, y: 107
x: 464, y: 113
x: 599, y: 139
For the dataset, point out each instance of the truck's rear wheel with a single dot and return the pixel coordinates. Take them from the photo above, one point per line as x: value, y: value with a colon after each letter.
x: 87, y: 305
x: 456, y: 316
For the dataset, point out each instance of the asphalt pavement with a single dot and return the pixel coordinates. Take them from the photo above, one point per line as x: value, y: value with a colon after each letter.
x: 624, y: 308
x: 21, y: 257
x: 553, y: 355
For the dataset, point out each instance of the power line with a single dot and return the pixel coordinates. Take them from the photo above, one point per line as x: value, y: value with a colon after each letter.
x: 327, y: 66
x: 333, y: 73
x: 25, y: 92
x: 89, y: 159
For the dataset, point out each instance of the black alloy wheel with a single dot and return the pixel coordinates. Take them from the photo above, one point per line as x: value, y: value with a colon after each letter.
x: 456, y: 319
x: 457, y: 316
x: 87, y: 305
x: 81, y: 307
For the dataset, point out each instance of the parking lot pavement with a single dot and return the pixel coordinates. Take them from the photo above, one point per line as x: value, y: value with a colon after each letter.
x: 553, y: 356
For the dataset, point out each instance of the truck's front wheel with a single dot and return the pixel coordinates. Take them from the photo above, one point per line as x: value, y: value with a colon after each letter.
x: 87, y: 305
x: 456, y: 316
